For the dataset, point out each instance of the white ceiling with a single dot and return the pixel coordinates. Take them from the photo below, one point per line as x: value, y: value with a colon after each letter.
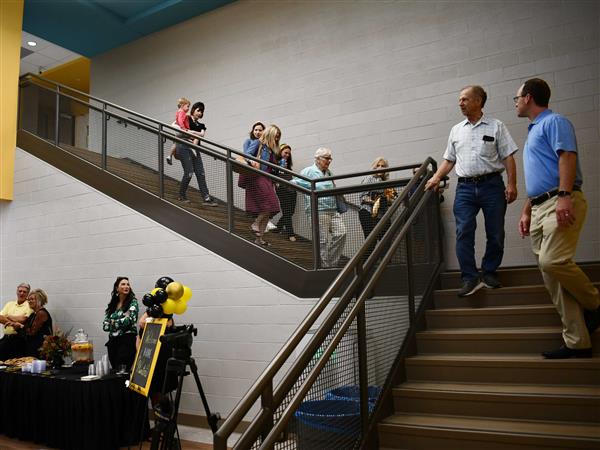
x: 46, y: 55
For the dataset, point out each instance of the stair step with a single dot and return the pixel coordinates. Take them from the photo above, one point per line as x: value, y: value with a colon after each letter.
x: 496, y: 368
x: 493, y: 340
x: 517, y: 401
x: 496, y: 317
x: 516, y: 295
x: 521, y: 295
x: 425, y: 431
x: 518, y: 276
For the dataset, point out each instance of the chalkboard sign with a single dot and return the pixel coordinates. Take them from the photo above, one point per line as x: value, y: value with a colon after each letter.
x: 147, y: 354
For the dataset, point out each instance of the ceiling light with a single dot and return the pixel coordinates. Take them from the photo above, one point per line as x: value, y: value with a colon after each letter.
x: 31, y: 43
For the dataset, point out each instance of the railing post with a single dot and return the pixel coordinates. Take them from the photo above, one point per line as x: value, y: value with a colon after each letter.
x: 409, y: 272
x: 314, y: 218
x: 229, y: 181
x: 57, y: 118
x: 104, y: 134
x: 266, y: 402
x: 363, y: 372
x: 219, y: 443
x: 161, y: 162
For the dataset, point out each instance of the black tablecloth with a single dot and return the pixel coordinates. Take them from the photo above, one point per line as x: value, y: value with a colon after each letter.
x: 64, y: 412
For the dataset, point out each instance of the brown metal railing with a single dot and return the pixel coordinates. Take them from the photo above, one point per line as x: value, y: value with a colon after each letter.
x: 356, y: 286
x: 119, y: 140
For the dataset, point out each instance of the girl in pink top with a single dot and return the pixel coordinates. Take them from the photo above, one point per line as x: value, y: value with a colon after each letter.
x: 182, y: 120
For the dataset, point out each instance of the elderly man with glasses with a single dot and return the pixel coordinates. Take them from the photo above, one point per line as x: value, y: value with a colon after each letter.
x: 332, y: 231
x: 554, y: 214
x: 15, y: 311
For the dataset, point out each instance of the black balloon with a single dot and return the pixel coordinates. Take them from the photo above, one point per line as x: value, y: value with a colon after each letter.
x: 148, y: 300
x: 163, y: 282
x: 161, y: 296
x: 155, y: 311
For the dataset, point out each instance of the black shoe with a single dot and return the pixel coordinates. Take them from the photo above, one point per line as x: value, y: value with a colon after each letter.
x: 490, y: 281
x: 208, y: 201
x: 592, y: 320
x: 565, y: 352
x: 184, y: 200
x: 470, y: 287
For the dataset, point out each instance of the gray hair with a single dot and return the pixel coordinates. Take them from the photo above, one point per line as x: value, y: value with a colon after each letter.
x: 25, y: 285
x: 321, y: 152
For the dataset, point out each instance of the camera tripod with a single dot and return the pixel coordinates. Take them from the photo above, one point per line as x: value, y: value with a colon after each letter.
x: 163, y: 436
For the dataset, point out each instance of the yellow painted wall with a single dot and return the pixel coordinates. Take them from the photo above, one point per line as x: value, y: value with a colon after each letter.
x: 75, y: 74
x: 11, y: 21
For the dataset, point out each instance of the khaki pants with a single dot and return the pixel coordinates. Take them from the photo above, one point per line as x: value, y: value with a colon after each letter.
x: 569, y: 287
x: 332, y: 237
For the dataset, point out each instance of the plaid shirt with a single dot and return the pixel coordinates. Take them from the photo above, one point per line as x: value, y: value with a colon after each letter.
x: 480, y: 148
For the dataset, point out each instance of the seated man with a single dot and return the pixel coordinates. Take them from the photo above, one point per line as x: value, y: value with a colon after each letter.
x: 14, y: 311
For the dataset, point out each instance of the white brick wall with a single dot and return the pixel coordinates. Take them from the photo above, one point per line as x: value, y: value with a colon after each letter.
x: 371, y: 78
x: 60, y: 235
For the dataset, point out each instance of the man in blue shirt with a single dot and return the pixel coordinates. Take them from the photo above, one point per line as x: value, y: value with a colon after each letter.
x: 553, y: 216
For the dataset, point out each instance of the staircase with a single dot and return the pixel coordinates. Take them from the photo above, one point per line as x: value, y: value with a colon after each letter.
x: 478, y: 380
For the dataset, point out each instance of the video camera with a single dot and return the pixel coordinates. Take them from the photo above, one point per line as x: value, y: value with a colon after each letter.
x: 181, y: 336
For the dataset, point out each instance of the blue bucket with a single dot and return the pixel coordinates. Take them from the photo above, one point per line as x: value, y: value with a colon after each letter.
x: 323, y: 423
x: 352, y: 393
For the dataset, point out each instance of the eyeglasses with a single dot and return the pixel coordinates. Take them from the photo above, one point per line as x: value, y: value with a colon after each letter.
x: 516, y: 99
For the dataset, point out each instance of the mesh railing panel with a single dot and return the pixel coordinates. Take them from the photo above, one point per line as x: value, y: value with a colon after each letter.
x: 329, y: 415
x: 131, y: 153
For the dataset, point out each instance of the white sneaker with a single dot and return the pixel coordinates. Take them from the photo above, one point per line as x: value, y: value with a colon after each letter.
x: 270, y: 226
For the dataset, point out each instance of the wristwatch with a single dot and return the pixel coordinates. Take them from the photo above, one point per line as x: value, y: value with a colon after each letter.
x: 564, y: 194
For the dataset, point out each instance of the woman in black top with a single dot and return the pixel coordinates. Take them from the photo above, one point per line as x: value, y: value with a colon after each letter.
x: 38, y: 325
x: 286, y: 194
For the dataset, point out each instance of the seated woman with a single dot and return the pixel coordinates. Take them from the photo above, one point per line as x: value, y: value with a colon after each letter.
x: 38, y: 325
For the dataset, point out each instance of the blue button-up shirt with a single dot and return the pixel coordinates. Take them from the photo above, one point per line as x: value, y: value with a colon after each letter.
x: 312, y: 172
x: 549, y: 134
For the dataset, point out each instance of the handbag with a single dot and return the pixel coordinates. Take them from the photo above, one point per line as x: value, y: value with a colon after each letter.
x: 341, y: 205
x: 246, y: 177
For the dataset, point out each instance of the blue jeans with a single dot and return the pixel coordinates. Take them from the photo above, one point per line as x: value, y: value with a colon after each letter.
x: 191, y: 164
x: 487, y: 195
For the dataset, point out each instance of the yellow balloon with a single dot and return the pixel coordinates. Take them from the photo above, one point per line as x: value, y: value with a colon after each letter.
x: 180, y: 306
x: 169, y: 306
x: 187, y: 294
x: 175, y: 290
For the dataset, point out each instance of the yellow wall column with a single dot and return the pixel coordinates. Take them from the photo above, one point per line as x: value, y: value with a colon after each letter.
x: 11, y: 22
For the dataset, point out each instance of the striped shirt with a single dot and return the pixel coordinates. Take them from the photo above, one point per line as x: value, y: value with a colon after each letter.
x: 478, y: 149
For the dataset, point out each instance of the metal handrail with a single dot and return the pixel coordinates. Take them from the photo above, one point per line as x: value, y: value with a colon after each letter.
x: 300, y: 394
x: 230, y: 156
x: 266, y: 378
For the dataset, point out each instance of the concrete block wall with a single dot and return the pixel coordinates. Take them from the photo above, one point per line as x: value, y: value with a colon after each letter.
x: 60, y: 235
x: 372, y: 78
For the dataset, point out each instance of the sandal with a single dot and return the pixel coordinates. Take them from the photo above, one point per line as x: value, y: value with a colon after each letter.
x: 292, y: 238
x: 262, y: 242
